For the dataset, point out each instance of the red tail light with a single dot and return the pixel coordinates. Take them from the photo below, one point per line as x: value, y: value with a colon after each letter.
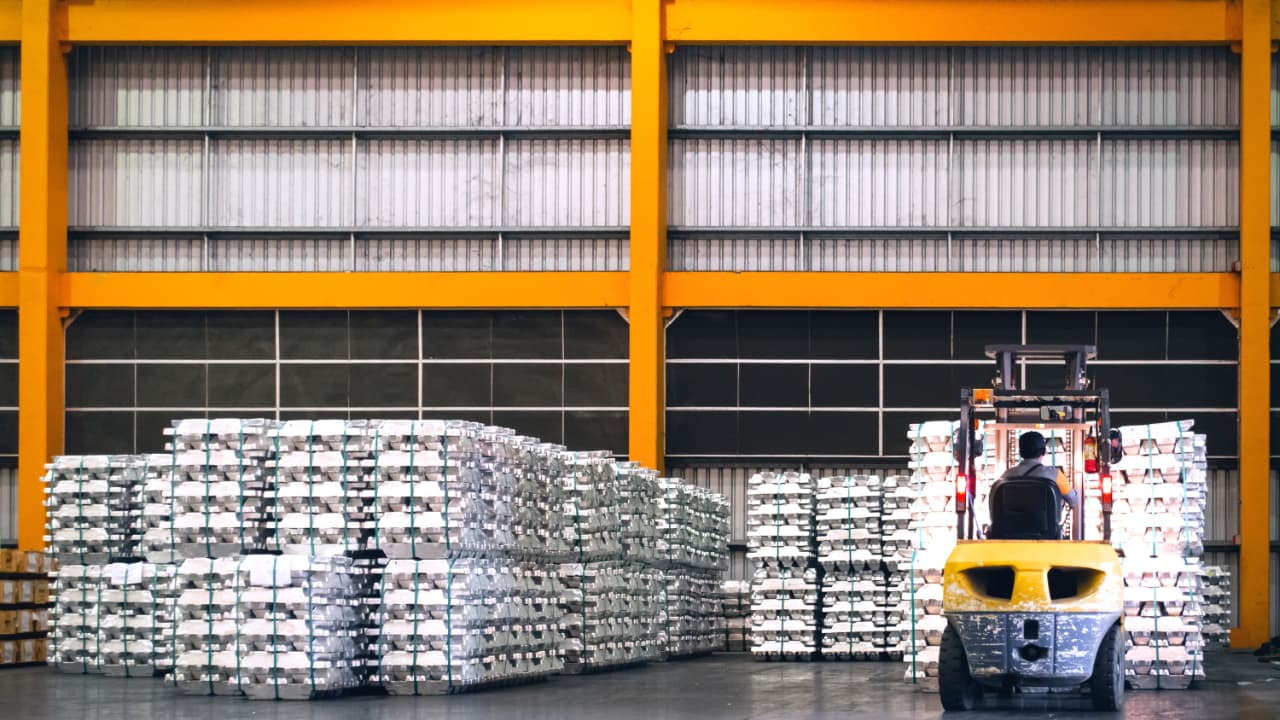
x: 962, y: 491
x: 1107, y: 490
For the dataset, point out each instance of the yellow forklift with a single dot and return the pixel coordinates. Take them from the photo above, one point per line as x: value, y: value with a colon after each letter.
x: 1030, y: 604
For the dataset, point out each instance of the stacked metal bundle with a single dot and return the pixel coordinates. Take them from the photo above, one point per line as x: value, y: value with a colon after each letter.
x: 135, y: 622
x: 897, y: 536
x: 73, y: 620
x: 320, y: 470
x: 207, y: 636
x: 639, y: 491
x: 89, y: 500
x: 1158, y: 524
x: 1216, y: 582
x: 222, y: 497
x: 854, y: 589
x: 611, y: 611
x: 735, y: 599
x: 538, y: 499
x: 933, y: 520
x: 693, y: 537
x: 784, y: 587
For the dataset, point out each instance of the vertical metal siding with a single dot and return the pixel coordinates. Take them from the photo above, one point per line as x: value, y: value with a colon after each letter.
x: 138, y: 86
x: 577, y: 254
x: 558, y: 86
x: 281, y: 183
x: 1175, y: 183
x: 735, y: 253
x: 283, y: 87
x: 1275, y: 188
x: 279, y: 254
x: 737, y: 86
x: 734, y: 182
x: 1024, y: 183
x: 1170, y: 253
x: 878, y: 183
x: 1024, y: 87
x: 893, y: 253
x: 1222, y: 507
x: 428, y: 183
x: 430, y: 87
x: 135, y: 254
x: 1170, y: 86
x: 419, y: 254
x: 9, y: 172
x: 142, y: 182
x: 567, y: 182
x: 8, y: 506
x: 9, y: 252
x: 879, y: 87
x: 10, y: 92
x: 1029, y: 253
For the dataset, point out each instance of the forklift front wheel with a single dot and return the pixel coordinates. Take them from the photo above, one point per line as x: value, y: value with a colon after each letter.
x: 1106, y: 687
x: 957, y: 687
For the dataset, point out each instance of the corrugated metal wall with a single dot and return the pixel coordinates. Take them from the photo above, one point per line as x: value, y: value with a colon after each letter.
x: 10, y: 112
x: 981, y: 159
x: 336, y: 159
x: 8, y: 505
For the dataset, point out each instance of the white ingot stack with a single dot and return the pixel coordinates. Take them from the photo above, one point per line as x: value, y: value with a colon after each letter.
x: 209, y: 624
x: 1158, y: 524
x: 638, y: 494
x: 135, y: 619
x: 784, y: 587
x: 610, y: 614
x: 73, y: 621
x: 693, y: 537
x: 538, y: 499
x: 159, y: 509
x: 897, y: 536
x: 934, y: 530
x: 1216, y: 581
x: 78, y: 490
x: 735, y: 598
x: 298, y: 638
x: 222, y: 497
x: 853, y: 583
x: 323, y: 494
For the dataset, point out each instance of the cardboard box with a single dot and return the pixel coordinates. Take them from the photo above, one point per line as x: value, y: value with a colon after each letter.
x: 9, y: 591
x: 9, y: 622
x: 33, y: 651
x: 8, y: 652
x: 39, y: 591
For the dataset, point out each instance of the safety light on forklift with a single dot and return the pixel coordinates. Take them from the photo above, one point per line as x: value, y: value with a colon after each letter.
x: 1107, y: 490
x: 962, y: 491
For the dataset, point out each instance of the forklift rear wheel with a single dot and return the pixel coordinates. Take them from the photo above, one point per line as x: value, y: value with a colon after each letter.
x: 1107, y: 684
x: 957, y: 687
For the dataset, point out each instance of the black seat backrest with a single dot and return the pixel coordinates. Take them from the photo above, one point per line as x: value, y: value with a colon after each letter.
x: 1026, y: 508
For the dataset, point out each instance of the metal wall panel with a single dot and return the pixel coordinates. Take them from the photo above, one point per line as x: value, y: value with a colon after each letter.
x: 156, y: 253
x: 10, y: 80
x: 1170, y: 253
x: 1275, y: 188
x: 429, y: 183
x: 8, y: 506
x: 283, y: 87
x: 420, y: 254
x: 737, y: 86
x: 1025, y: 253
x: 9, y: 252
x: 730, y: 482
x: 1170, y: 86
x: 286, y: 253
x: 138, y: 86
x: 734, y: 182
x: 870, y: 183
x: 300, y: 183
x: 431, y: 87
x: 140, y: 182
x: 9, y: 172
x: 735, y: 253
x: 1171, y: 183
x: 1024, y: 87
x: 573, y: 86
x: 1222, y: 507
x: 892, y: 253
x: 879, y: 87
x: 1023, y: 183
x: 566, y: 182
x: 576, y: 254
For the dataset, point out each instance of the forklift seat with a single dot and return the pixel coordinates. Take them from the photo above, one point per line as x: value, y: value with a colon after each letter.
x: 1026, y: 508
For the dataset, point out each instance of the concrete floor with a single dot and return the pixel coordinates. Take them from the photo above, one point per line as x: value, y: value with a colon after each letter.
x: 722, y: 686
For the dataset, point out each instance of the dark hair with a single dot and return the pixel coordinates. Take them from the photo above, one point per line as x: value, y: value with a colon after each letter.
x: 1031, y: 445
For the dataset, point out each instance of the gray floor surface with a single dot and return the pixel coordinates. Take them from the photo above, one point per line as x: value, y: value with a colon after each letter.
x: 721, y: 686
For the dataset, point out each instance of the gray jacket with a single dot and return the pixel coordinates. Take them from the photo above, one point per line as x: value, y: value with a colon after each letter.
x: 1037, y: 469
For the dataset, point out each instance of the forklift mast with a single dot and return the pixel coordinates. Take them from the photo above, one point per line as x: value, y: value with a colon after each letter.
x: 1015, y: 405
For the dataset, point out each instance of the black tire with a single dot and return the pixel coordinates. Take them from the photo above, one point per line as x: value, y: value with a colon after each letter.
x: 958, y: 689
x: 1106, y: 687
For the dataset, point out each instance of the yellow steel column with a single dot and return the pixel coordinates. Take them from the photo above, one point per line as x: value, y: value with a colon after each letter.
x: 648, y: 231
x: 42, y: 258
x: 1255, y: 332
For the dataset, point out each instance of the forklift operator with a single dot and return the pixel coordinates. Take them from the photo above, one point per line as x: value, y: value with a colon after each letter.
x: 1031, y: 446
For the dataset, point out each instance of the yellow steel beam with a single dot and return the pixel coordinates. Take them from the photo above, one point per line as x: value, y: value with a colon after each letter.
x: 10, y: 21
x: 1255, y: 327
x: 341, y: 21
x: 347, y: 290
x: 648, y: 234
x: 952, y: 290
x: 42, y: 233
x: 9, y: 289
x: 916, y: 22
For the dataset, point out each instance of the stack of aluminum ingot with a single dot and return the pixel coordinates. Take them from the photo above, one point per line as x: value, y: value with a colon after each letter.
x: 735, y: 598
x: 611, y: 611
x: 854, y: 591
x: 207, y: 636
x: 73, y: 621
x: 934, y: 529
x: 639, y: 492
x: 1158, y: 524
x: 135, y: 622
x: 88, y: 497
x: 222, y: 495
x: 782, y: 548
x: 298, y: 635
x: 538, y: 499
x: 320, y: 470
x: 897, y: 535
x: 1216, y: 581
x: 693, y: 536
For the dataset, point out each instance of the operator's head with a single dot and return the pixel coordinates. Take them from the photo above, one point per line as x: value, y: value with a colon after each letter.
x: 1031, y: 445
